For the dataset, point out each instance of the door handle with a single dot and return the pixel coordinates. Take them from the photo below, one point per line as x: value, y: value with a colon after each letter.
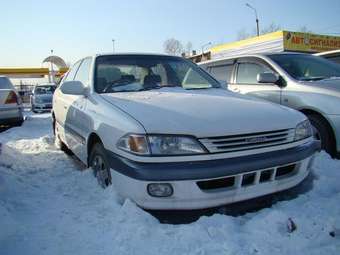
x: 65, y: 107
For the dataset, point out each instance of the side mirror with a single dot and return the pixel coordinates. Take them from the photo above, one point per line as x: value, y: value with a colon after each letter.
x: 267, y: 78
x: 224, y: 84
x: 73, y: 88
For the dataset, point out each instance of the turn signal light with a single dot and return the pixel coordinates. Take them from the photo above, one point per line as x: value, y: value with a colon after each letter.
x: 11, y: 98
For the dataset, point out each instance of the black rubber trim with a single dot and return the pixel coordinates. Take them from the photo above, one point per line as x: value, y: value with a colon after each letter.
x: 195, y: 170
x: 10, y: 121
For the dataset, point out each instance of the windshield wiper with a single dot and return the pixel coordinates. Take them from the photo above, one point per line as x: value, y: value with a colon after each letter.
x: 157, y: 87
x: 197, y: 88
x: 316, y: 78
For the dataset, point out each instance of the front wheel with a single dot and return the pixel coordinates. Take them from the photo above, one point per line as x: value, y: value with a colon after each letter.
x: 99, y: 163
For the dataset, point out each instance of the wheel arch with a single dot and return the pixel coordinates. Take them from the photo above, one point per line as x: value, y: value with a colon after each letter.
x: 92, y: 140
x: 308, y: 111
x: 53, y: 122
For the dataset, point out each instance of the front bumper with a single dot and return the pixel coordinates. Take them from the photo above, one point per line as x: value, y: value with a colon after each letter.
x: 10, y: 115
x: 42, y: 107
x: 131, y: 178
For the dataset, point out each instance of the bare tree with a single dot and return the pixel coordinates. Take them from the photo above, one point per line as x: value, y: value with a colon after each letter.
x: 272, y: 27
x: 305, y: 29
x: 173, y: 46
x: 188, y: 48
x: 244, y: 34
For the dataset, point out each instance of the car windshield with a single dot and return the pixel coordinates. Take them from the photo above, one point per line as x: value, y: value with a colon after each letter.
x: 305, y: 67
x: 5, y: 83
x: 138, y: 73
x: 44, y: 90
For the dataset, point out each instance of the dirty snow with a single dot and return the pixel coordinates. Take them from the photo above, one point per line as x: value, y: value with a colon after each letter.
x: 51, y: 204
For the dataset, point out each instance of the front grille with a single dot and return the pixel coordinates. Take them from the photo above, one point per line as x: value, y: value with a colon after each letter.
x: 249, y: 178
x: 248, y: 141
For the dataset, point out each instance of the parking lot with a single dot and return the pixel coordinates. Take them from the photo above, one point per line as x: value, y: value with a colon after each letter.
x: 170, y: 127
x: 51, y: 204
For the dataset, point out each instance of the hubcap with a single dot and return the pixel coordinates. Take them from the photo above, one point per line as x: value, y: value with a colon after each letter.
x: 101, y: 171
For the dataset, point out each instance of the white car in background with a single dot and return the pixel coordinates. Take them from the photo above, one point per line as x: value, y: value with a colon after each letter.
x: 42, y: 95
x: 168, y: 136
x: 11, y: 107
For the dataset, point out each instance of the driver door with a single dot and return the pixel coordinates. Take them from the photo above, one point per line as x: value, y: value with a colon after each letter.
x: 245, y: 80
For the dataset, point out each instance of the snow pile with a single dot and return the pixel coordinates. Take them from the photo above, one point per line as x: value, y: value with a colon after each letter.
x: 50, y: 204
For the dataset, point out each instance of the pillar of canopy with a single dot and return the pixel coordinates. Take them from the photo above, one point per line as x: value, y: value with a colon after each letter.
x: 54, y: 60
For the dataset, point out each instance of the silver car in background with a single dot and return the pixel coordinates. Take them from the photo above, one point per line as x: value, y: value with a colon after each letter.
x: 307, y: 83
x: 42, y: 95
x: 333, y: 55
x: 10, y: 104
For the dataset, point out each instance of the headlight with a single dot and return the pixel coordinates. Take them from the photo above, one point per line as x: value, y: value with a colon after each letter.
x: 174, y: 145
x: 160, y: 145
x: 303, y: 130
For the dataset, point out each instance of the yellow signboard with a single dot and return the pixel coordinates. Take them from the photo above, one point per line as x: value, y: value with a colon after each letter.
x: 306, y: 42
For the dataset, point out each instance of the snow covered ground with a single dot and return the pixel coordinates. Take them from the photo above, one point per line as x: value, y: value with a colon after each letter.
x: 50, y: 204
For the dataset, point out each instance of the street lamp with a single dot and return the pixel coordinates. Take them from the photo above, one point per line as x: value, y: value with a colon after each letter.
x: 257, y: 19
x: 113, y: 45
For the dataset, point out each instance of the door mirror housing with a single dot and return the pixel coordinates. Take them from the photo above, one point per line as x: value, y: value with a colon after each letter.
x: 268, y: 78
x: 73, y: 88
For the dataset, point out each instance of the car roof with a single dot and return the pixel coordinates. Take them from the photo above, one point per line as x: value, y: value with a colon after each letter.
x: 134, y: 54
x: 328, y: 53
x: 46, y: 84
x: 265, y: 54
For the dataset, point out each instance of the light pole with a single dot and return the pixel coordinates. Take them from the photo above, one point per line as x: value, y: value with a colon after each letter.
x: 257, y: 19
x: 52, y: 72
x: 113, y: 45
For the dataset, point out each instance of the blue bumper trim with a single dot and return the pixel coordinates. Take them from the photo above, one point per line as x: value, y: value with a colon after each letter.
x: 206, y: 169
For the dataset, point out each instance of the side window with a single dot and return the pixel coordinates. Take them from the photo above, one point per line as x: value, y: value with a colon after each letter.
x: 5, y: 83
x: 222, y: 72
x: 72, y: 72
x: 84, y: 72
x: 247, y: 72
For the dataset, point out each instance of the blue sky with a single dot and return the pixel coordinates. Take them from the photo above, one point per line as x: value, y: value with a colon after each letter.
x: 29, y: 29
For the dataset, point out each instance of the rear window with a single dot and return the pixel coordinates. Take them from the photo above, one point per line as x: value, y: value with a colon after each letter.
x: 5, y: 83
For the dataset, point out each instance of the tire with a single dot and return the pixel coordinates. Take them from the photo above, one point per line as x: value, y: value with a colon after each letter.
x: 33, y: 109
x: 19, y: 123
x: 322, y: 132
x: 58, y: 143
x: 99, y: 163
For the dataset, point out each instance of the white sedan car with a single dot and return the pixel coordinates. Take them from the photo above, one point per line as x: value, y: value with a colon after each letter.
x: 167, y: 136
x: 11, y: 107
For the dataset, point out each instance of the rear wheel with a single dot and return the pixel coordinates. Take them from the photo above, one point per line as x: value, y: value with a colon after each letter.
x: 33, y: 109
x: 18, y: 123
x: 58, y: 143
x: 322, y: 132
x: 99, y: 163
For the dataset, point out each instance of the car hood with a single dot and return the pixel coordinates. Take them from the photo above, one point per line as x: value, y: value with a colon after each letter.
x: 327, y: 86
x: 44, y: 97
x: 203, y: 113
